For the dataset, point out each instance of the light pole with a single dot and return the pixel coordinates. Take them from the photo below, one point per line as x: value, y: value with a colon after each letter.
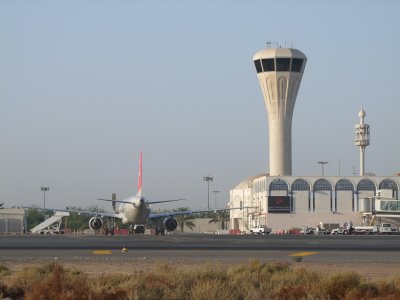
x: 208, y: 179
x: 44, y: 189
x: 215, y: 199
x: 322, y: 163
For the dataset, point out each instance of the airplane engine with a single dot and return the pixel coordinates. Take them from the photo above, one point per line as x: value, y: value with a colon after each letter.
x: 95, y: 223
x: 170, y: 224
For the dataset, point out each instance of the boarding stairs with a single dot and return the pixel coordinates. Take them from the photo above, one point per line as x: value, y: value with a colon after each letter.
x: 51, y: 225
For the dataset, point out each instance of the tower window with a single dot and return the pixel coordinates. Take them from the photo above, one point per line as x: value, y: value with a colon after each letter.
x: 257, y: 63
x: 282, y: 64
x: 268, y: 65
x: 297, y: 63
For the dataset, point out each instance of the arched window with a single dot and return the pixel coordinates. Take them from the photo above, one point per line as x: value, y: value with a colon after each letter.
x: 389, y: 184
x: 300, y: 185
x: 278, y: 185
x: 344, y: 185
x: 366, y: 185
x: 322, y: 185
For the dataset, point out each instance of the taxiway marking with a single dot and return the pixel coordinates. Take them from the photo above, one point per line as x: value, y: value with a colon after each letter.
x: 303, y: 253
x: 101, y: 252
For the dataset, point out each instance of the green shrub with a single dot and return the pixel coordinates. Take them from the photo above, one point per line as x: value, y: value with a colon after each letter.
x: 58, y: 285
x: 212, y: 289
x: 253, y: 280
x: 3, y: 268
x: 4, y: 271
x: 337, y: 285
x: 363, y: 291
x: 297, y: 258
x: 389, y: 289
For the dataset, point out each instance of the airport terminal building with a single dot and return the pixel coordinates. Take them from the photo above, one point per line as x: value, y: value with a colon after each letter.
x: 286, y: 202
x: 283, y: 201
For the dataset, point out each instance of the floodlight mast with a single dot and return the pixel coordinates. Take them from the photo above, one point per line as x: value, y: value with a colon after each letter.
x: 44, y: 189
x: 322, y: 163
x: 208, y: 179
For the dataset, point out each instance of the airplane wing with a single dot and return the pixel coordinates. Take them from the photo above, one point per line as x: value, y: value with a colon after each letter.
x: 85, y: 212
x: 109, y: 200
x: 162, y: 201
x: 148, y: 202
x: 187, y: 212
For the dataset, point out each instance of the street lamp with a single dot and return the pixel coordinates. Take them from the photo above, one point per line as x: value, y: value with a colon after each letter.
x: 44, y: 189
x: 215, y: 193
x: 322, y: 163
x: 208, y: 179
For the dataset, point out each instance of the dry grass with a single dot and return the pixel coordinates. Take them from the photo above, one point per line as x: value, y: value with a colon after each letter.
x: 253, y: 280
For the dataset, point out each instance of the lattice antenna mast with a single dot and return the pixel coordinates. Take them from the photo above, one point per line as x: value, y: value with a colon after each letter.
x: 362, y: 139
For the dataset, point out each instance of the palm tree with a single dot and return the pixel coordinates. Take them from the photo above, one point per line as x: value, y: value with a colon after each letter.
x: 221, y: 217
x: 185, y: 220
x: 77, y: 221
x: 156, y: 222
x: 34, y: 217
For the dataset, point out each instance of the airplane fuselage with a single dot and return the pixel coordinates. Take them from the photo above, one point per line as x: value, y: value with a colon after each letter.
x: 136, y: 212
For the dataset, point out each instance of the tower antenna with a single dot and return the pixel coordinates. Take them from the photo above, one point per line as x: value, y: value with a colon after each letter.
x: 362, y: 139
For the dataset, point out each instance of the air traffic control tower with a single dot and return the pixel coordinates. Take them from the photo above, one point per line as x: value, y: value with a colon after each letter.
x: 279, y: 71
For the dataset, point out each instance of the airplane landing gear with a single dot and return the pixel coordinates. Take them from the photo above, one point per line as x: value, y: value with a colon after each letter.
x: 160, y: 231
x: 139, y: 229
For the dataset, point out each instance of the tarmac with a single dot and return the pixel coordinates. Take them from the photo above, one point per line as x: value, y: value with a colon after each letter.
x: 202, y: 248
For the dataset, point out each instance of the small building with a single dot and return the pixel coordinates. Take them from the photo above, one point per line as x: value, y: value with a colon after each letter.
x: 202, y: 225
x: 12, y: 221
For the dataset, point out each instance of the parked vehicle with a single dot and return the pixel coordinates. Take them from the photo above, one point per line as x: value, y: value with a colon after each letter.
x: 387, y: 228
x: 383, y: 228
x: 51, y: 231
x: 295, y: 230
x: 260, y: 229
x: 326, y: 228
x: 307, y: 230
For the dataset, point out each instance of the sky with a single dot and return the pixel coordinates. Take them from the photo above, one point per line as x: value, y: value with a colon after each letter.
x: 85, y: 86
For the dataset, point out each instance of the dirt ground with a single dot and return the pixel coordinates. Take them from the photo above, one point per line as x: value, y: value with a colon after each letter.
x: 371, y: 271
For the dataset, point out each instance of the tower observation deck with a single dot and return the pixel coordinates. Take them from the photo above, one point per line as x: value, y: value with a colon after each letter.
x: 279, y: 71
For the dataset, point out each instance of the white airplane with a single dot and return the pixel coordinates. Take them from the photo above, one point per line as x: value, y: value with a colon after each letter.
x: 134, y: 210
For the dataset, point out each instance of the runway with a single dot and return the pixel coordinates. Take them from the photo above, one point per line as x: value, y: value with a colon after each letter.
x: 202, y: 247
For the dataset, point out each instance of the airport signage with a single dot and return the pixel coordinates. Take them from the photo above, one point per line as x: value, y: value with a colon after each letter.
x: 279, y: 204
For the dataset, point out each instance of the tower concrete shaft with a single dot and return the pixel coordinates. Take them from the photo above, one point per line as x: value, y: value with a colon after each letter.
x: 362, y: 139
x: 279, y: 71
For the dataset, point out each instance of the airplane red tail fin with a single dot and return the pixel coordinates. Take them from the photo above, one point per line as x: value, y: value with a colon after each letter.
x: 140, y: 175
